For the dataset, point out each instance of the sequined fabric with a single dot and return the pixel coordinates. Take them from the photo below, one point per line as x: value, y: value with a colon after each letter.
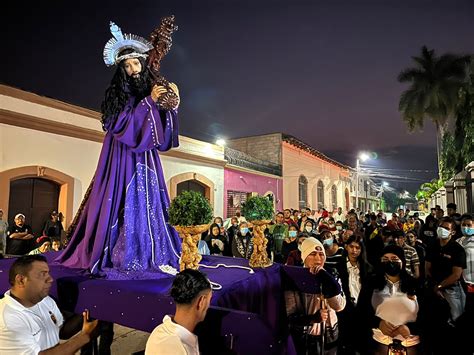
x: 145, y: 241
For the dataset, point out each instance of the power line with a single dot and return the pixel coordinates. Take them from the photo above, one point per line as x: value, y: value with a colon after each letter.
x: 410, y: 170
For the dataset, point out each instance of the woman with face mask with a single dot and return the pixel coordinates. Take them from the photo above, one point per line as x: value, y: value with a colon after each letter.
x: 333, y: 250
x: 308, y: 229
x: 290, y: 243
x: 294, y: 258
x: 216, y: 242
x: 388, y: 305
x: 242, y: 246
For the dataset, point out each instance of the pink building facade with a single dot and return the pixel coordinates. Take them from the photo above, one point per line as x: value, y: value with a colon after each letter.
x: 240, y: 184
x: 310, y: 178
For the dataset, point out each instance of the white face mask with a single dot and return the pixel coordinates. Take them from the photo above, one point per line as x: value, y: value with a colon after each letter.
x: 339, y: 228
x: 443, y: 233
x: 309, y: 229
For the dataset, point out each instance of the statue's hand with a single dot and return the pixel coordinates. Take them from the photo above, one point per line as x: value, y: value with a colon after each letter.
x: 157, y: 91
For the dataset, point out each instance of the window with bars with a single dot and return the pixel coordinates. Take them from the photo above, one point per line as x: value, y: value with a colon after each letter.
x: 334, y: 196
x: 320, y: 194
x: 235, y: 200
x: 303, y: 192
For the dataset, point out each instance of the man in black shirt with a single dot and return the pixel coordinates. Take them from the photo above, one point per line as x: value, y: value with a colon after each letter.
x: 445, y: 260
x: 19, y: 236
x: 445, y: 299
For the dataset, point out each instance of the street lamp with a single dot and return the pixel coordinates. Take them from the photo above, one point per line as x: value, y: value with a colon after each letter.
x: 221, y: 142
x: 362, y: 156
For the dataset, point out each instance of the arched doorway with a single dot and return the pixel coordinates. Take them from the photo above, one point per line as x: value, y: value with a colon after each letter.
x: 65, y: 183
x: 191, y: 181
x: 191, y: 185
x: 35, y: 198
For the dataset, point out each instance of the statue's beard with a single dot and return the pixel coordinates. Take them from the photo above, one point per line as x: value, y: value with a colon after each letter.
x: 138, y: 86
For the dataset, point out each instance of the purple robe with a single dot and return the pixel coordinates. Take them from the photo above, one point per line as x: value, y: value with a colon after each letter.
x: 123, y: 229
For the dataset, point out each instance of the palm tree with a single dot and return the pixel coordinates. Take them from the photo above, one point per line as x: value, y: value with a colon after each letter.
x: 433, y: 93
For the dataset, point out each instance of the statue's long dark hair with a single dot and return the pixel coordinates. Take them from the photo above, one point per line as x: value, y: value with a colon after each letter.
x: 117, y: 94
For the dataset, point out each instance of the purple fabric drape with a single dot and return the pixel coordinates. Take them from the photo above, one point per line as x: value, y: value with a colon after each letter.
x: 250, y: 306
x: 123, y: 231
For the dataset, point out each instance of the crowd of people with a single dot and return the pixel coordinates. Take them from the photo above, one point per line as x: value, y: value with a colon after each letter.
x: 402, y: 283
x: 20, y: 239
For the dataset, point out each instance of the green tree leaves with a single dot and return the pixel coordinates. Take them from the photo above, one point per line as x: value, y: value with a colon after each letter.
x: 190, y: 208
x: 257, y: 208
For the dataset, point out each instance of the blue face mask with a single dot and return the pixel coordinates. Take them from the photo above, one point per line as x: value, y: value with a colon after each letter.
x: 244, y: 231
x: 292, y: 234
x: 328, y: 242
x: 467, y: 231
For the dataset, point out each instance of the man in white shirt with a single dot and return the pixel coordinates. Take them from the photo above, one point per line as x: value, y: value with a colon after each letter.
x: 191, y: 291
x: 30, y: 320
x: 339, y: 216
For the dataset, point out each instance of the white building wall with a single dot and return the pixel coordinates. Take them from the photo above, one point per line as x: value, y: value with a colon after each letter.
x: 297, y: 163
x: 78, y: 158
x: 173, y: 166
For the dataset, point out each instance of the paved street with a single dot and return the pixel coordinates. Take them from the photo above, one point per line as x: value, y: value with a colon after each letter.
x: 127, y: 341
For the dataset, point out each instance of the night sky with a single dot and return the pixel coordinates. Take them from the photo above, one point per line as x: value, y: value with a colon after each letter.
x: 323, y: 71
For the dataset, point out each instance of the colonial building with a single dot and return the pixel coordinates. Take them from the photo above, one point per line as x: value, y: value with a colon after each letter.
x: 49, y: 151
x: 369, y: 192
x: 310, y: 178
x: 245, y: 176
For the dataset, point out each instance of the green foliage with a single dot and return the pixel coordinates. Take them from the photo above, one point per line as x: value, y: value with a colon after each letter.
x: 434, y: 85
x: 467, y: 148
x: 392, y: 201
x: 429, y: 188
x: 464, y: 132
x: 441, y: 88
x: 458, y: 150
x: 190, y: 208
x: 257, y: 208
x: 449, y: 161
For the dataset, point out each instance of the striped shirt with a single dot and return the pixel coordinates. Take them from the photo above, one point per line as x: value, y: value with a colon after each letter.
x: 332, y: 261
x: 412, y: 260
x: 468, y: 244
